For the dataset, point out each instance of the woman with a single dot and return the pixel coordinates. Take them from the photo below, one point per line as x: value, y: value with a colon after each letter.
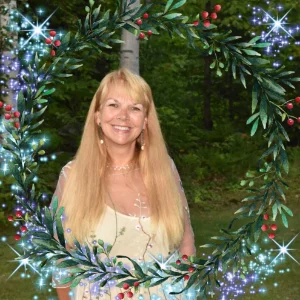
x: 122, y: 186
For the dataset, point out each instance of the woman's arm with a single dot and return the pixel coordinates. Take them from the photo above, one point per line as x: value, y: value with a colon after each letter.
x: 187, y: 245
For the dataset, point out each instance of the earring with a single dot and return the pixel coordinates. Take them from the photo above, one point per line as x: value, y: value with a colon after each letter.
x: 142, y: 140
x: 100, y: 133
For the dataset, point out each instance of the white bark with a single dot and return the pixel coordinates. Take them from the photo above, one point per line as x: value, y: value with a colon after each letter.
x: 10, y: 4
x: 130, y: 49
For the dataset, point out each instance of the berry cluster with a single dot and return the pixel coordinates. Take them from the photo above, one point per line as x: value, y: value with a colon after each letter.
x: 129, y: 293
x: 265, y: 227
x: 54, y: 44
x: 205, y: 16
x: 290, y: 106
x: 23, y: 228
x: 10, y: 114
x: 126, y: 286
x: 140, y: 22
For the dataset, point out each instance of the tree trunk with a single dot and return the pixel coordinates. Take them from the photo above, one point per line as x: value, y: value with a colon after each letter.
x: 208, y: 123
x: 130, y: 49
x: 5, y: 51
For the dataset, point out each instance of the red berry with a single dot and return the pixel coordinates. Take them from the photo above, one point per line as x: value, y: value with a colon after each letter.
x: 1, y: 104
x: 125, y: 286
x: 145, y: 16
x: 17, y: 237
x: 264, y: 227
x: 142, y: 35
x: 289, y: 106
x: 184, y: 257
x: 206, y: 23
x: 297, y: 99
x: 8, y: 107
x: 136, y: 283
x: 139, y: 22
x: 23, y: 228
x: 266, y: 217
x: 205, y: 14
x: 213, y: 16
x: 298, y: 119
x: 274, y: 227
x: 149, y: 32
x: 10, y: 218
x: 48, y: 41
x: 57, y: 43
x: 52, y: 53
x: 121, y: 295
x: 271, y: 235
x: 290, y: 122
x: 191, y: 269
x: 18, y: 214
x: 186, y: 277
x: 218, y: 7
x: 196, y: 23
x: 178, y: 262
x: 17, y: 125
x: 52, y: 33
x: 130, y: 294
x: 16, y: 114
x: 7, y: 116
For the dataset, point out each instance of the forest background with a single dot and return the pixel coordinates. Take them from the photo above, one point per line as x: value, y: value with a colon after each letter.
x: 203, y: 119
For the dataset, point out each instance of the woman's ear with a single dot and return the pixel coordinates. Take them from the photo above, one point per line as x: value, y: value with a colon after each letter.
x: 145, y: 123
x: 97, y: 117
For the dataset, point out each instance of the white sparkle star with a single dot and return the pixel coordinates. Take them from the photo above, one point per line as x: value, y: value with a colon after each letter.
x: 283, y: 249
x: 24, y: 262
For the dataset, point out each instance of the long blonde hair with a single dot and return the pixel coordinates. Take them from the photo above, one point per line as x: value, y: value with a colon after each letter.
x: 84, y: 192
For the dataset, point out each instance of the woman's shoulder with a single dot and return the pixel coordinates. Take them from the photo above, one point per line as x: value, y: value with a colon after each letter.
x: 65, y: 168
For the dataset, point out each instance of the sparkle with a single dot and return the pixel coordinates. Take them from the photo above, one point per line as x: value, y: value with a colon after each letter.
x: 284, y: 250
x: 37, y: 29
x: 23, y: 262
x: 277, y: 24
x: 162, y: 264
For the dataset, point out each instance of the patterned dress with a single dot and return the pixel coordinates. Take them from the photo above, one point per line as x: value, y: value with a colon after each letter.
x: 131, y: 236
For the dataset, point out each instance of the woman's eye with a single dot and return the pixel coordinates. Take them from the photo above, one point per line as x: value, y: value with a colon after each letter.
x: 113, y: 104
x: 135, y: 108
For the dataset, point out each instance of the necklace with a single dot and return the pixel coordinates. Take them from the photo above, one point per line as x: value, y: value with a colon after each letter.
x: 119, y: 168
x: 122, y: 172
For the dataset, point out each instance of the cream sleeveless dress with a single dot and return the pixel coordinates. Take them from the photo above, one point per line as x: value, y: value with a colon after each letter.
x: 131, y: 236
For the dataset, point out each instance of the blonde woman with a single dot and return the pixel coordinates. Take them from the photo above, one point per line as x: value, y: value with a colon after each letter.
x: 122, y: 186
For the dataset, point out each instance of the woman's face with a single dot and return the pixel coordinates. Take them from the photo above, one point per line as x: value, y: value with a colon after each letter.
x: 121, y: 119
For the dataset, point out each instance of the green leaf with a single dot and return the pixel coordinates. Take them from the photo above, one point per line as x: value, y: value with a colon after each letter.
x: 234, y: 69
x: 274, y: 210
x: 252, y: 118
x: 263, y: 111
x: 255, y: 91
x: 178, y: 4
x: 243, y: 182
x: 284, y: 220
x: 59, y: 227
x: 261, y: 45
x: 48, y: 92
x: 232, y: 38
x: 172, y: 16
x: 21, y: 102
x: 251, y: 52
x: 168, y: 5
x: 67, y: 263
x: 284, y: 160
x: 288, y: 211
x: 87, y: 9
x: 254, y: 128
x: 273, y: 86
x: 254, y: 40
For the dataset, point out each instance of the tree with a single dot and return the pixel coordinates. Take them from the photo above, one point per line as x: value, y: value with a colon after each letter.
x: 129, y: 54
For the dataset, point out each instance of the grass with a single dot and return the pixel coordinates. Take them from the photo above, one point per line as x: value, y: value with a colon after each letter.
x: 205, y: 224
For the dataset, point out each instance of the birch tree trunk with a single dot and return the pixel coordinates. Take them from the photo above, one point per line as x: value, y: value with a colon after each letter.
x: 9, y: 4
x: 130, y: 57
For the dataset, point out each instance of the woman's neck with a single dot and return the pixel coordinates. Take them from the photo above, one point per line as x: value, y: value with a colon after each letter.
x: 120, y: 156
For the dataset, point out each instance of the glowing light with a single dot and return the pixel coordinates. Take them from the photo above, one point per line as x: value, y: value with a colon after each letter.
x: 24, y: 262
x: 284, y: 250
x: 36, y: 30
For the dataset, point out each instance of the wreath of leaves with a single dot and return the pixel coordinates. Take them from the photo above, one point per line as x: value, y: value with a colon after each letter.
x: 230, y: 55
